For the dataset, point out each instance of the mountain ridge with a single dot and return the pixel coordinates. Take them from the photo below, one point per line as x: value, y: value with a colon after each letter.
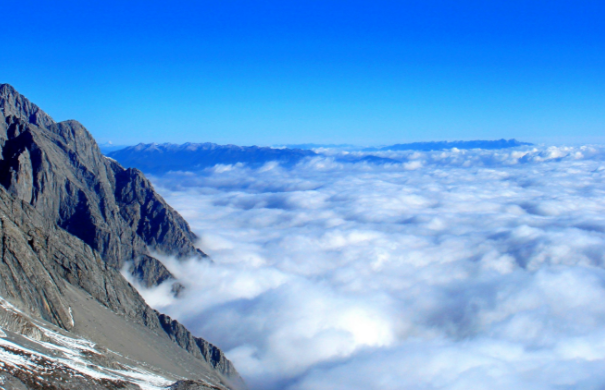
x: 157, y: 158
x: 442, y: 145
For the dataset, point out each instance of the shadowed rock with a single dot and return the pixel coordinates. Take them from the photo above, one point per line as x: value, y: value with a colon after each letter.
x: 59, y: 170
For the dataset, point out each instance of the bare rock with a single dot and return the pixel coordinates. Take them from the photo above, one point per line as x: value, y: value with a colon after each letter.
x: 69, y: 220
x: 59, y: 170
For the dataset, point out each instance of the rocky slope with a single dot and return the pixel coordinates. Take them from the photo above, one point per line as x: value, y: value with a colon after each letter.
x: 69, y: 221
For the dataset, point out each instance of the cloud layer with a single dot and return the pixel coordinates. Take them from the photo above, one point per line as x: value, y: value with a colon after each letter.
x: 449, y: 270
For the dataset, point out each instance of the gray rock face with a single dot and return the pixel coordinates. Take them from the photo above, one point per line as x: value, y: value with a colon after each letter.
x: 59, y: 170
x: 69, y: 220
x: 160, y: 227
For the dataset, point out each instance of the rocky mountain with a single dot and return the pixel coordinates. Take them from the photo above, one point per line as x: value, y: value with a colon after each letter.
x: 71, y: 219
x: 160, y: 158
x: 59, y: 170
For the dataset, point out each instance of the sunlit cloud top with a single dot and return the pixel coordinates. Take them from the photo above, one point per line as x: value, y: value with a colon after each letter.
x: 450, y: 270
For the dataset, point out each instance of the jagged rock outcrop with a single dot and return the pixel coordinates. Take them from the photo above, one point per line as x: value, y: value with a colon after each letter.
x: 162, y: 229
x: 59, y: 170
x: 199, y: 347
x: 69, y: 220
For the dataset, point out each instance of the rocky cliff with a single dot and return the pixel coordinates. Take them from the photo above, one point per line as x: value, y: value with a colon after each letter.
x: 69, y: 220
x: 59, y: 170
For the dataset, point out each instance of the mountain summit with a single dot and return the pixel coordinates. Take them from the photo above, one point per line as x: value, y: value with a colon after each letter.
x: 71, y: 220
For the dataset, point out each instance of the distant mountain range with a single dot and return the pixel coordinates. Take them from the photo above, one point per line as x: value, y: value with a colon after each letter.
x: 319, y: 146
x: 420, y: 146
x: 109, y: 147
x: 155, y: 158
x: 443, y: 145
x: 160, y: 158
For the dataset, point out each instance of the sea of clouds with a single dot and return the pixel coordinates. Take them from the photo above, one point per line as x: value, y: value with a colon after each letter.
x: 455, y: 269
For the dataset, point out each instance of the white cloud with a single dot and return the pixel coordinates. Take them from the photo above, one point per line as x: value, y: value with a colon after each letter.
x: 449, y: 270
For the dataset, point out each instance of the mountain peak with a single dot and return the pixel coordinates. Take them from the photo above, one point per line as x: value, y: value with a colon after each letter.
x: 12, y: 103
x: 7, y: 89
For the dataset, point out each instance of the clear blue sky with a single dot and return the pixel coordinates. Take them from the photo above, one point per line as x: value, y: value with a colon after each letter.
x: 268, y: 72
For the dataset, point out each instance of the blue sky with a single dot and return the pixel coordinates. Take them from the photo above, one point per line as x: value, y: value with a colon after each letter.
x: 268, y: 72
